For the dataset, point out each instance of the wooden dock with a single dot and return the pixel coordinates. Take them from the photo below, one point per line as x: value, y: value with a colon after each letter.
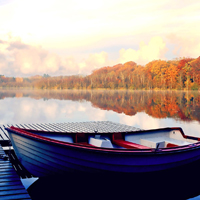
x: 10, y: 185
x: 100, y: 126
x: 11, y: 170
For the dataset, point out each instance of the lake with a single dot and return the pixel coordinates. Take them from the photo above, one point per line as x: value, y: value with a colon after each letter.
x: 142, y: 109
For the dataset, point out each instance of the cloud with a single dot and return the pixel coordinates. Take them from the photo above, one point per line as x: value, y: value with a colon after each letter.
x: 155, y: 49
x: 17, y: 45
x: 29, y: 59
x: 20, y: 59
x: 184, y: 46
x: 94, y: 61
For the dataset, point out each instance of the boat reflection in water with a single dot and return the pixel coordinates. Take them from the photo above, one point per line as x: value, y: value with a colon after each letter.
x: 179, y: 183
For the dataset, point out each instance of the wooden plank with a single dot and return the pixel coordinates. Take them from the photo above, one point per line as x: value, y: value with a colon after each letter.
x: 10, y: 183
x: 12, y: 192
x: 27, y: 126
x: 21, y: 171
x: 6, y: 170
x: 8, y: 176
x: 1, y: 148
x: 42, y: 128
x: 19, y: 126
x: 36, y: 127
x: 8, y: 148
x: 32, y: 127
x: 4, y: 173
x: 2, y: 163
x: 1, y: 133
x: 57, y: 128
x: 4, y: 133
x: 5, y: 126
x: 2, y: 166
x: 70, y: 127
x: 9, y: 180
x: 48, y: 127
x: 16, y: 196
x: 9, y: 125
x: 66, y: 129
x: 11, y: 187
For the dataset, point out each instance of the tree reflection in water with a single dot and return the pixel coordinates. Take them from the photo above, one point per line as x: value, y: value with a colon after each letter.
x: 184, y: 106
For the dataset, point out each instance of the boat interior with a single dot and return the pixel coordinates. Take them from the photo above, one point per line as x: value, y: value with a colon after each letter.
x: 145, y: 139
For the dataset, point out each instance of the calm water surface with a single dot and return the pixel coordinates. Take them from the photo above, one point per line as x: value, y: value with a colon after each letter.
x: 142, y: 109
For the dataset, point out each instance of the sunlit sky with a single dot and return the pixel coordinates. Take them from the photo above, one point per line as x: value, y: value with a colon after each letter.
x: 67, y: 37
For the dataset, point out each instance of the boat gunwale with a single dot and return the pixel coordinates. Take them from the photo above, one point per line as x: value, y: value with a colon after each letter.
x: 26, y: 133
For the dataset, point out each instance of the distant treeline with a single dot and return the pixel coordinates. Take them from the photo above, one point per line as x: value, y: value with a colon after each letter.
x: 180, y: 74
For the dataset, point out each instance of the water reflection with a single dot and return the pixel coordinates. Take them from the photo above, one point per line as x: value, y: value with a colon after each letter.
x: 158, y: 104
x: 180, y: 183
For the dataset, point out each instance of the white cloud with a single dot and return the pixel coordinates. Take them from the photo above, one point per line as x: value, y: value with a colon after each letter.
x: 94, y: 61
x: 20, y: 59
x: 155, y: 49
x: 185, y: 47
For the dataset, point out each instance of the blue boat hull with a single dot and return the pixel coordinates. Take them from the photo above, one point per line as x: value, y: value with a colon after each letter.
x: 46, y: 158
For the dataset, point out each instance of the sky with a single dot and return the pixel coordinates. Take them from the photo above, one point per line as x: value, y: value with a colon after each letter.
x: 70, y: 37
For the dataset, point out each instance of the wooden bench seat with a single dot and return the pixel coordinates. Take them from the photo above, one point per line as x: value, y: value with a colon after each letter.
x: 117, y: 139
x: 129, y: 145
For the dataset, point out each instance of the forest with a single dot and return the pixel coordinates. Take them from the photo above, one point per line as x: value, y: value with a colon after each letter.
x: 176, y: 74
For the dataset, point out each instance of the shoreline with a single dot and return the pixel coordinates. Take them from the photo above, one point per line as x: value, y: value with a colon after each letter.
x: 97, y: 89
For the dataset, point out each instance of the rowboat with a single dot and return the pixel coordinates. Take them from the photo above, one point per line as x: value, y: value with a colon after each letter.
x: 45, y: 153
